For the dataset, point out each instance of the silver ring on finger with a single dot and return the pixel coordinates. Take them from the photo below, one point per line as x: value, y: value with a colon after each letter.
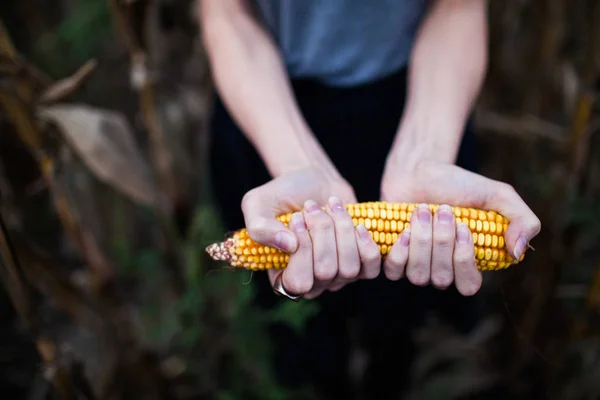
x: 280, y: 290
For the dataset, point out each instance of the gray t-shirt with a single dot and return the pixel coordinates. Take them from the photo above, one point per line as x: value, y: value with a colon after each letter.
x: 342, y: 42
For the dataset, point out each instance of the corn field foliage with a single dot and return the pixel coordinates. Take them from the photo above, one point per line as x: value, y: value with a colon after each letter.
x: 106, y: 210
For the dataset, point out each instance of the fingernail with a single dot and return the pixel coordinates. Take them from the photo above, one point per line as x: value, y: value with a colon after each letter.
x: 363, y: 233
x: 405, y: 237
x: 424, y: 214
x: 311, y: 206
x: 336, y: 204
x: 462, y: 233
x: 445, y: 214
x: 520, y: 246
x: 284, y: 241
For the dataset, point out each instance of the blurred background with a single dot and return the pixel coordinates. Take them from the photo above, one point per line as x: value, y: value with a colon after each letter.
x: 106, y: 211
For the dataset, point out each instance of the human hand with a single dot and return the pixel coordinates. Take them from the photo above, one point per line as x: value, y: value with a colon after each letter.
x: 327, y: 250
x: 435, y: 250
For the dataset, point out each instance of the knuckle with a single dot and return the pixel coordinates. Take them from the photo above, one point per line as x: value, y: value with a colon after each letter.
x: 507, y: 190
x: 373, y: 273
x: 351, y: 271
x: 297, y: 286
x: 321, y: 222
x: 463, y: 257
x: 249, y: 200
x: 392, y: 270
x: 325, y: 259
x: 471, y: 288
x: 372, y: 254
x: 344, y: 223
x: 444, y: 239
x: 442, y: 280
x: 256, y: 226
x: 536, y: 225
x: 418, y: 277
x: 391, y: 275
x: 347, y: 191
x: 325, y: 274
x: 304, y: 242
x: 423, y: 240
x: 395, y: 260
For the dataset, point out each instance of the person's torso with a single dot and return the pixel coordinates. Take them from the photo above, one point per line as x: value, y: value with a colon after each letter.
x: 342, y: 42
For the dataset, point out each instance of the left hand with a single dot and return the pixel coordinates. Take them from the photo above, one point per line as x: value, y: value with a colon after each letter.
x: 436, y: 250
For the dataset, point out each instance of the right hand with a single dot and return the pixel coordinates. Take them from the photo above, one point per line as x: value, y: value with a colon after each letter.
x: 327, y: 250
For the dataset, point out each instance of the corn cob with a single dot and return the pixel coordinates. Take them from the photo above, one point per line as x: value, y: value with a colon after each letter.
x: 384, y: 221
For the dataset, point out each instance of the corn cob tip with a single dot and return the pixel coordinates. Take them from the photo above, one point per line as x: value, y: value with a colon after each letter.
x: 220, y: 251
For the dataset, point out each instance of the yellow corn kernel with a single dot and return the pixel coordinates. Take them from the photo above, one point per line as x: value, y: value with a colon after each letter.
x: 384, y: 221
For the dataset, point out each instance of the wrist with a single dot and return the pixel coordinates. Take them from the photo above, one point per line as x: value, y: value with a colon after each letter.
x: 416, y: 143
x: 296, y: 149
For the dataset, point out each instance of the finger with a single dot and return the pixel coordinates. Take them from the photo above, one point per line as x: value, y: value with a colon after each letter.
x: 369, y: 258
x: 347, y: 250
x: 322, y: 233
x: 261, y: 222
x: 444, y: 233
x: 298, y: 276
x: 395, y: 261
x: 468, y: 277
x: 369, y: 253
x: 418, y: 268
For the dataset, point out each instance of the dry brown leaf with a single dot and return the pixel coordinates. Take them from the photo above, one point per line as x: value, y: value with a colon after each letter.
x: 66, y: 87
x: 14, y: 282
x: 104, y: 141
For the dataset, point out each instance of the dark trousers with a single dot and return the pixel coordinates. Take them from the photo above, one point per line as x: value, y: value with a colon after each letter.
x: 356, y: 127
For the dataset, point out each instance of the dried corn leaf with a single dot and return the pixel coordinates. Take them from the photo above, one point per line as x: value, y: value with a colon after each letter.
x: 66, y: 87
x: 104, y: 141
x: 12, y: 277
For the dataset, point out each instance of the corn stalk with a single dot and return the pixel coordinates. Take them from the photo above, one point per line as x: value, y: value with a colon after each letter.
x: 173, y: 159
x: 95, y: 308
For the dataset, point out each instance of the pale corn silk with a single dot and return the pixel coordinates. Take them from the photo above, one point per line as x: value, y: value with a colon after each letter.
x: 342, y: 42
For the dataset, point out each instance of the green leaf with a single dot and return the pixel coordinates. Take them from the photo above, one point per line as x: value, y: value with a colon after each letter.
x: 294, y: 314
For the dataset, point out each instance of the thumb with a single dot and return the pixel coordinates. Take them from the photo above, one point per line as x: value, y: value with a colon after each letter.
x: 523, y: 225
x: 259, y: 207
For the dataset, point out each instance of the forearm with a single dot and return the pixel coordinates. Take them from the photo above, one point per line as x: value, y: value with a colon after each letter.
x: 447, y: 68
x: 250, y: 78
